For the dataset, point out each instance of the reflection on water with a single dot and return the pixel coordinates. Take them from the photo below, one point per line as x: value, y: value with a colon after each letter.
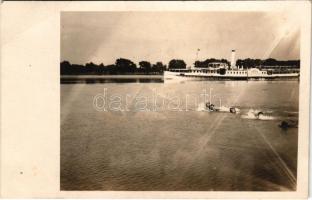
x: 183, y: 150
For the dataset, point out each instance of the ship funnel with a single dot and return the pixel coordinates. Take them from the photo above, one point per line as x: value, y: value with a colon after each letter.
x: 233, y: 59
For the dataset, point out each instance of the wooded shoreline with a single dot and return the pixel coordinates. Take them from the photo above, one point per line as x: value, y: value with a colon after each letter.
x: 124, y: 66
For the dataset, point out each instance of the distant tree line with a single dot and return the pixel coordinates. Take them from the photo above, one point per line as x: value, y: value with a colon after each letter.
x: 205, y: 63
x: 126, y: 66
x: 177, y: 64
x: 250, y: 63
x: 121, y: 66
x: 268, y: 63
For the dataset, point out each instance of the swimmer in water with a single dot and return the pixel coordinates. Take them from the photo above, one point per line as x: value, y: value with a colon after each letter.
x: 210, y: 106
x: 233, y: 110
x: 259, y: 115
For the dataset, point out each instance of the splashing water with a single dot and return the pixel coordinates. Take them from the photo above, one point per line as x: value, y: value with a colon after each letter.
x: 201, y: 107
x: 253, y: 114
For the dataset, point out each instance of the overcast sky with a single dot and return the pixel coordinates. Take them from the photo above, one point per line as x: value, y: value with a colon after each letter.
x: 102, y: 37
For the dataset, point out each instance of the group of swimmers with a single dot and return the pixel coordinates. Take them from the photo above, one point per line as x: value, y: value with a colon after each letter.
x: 256, y: 115
x: 211, y: 107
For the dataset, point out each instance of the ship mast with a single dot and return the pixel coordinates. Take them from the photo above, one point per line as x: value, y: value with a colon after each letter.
x: 196, y: 59
x: 197, y: 54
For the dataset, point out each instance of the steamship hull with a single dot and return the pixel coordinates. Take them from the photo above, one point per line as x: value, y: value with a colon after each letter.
x: 252, y: 74
x: 222, y: 71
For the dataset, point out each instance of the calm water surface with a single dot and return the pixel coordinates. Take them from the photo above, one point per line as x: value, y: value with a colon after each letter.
x: 179, y: 149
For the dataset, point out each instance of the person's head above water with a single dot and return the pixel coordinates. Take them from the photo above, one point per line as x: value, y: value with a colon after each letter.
x: 260, y: 114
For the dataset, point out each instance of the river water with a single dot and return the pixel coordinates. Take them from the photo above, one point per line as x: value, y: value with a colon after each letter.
x: 155, y: 136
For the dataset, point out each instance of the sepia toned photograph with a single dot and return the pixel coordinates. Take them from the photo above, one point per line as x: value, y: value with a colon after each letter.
x: 179, y: 101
